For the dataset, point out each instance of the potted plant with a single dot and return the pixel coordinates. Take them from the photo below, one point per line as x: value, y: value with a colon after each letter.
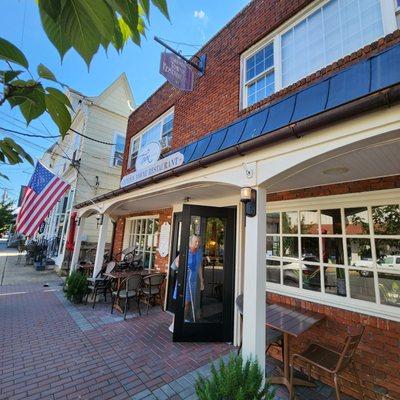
x: 76, y: 287
x: 235, y: 380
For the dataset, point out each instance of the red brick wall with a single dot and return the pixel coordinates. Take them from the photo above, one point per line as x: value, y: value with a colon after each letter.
x: 378, y: 357
x: 214, y: 101
x: 164, y: 216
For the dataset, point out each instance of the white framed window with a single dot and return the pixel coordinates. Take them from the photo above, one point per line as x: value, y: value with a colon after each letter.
x: 344, y: 253
x: 159, y: 131
x: 322, y: 33
x: 143, y: 235
x: 117, y: 150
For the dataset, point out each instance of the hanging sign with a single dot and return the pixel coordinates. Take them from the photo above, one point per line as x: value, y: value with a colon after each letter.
x: 163, y: 247
x: 177, y: 72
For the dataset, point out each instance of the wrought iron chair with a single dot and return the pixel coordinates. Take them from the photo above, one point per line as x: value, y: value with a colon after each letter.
x: 151, y: 288
x: 331, y: 361
x: 272, y: 336
x: 100, y: 284
x: 129, y: 289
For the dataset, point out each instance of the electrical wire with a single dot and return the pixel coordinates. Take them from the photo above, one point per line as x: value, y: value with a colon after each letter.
x: 182, y: 43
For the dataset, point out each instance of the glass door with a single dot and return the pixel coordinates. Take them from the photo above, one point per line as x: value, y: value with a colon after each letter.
x: 205, y: 286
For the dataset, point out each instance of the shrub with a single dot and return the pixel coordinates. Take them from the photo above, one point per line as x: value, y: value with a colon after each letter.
x: 76, y: 286
x: 236, y: 380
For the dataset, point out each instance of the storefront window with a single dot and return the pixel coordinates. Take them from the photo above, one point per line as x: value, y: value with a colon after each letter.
x: 352, y: 252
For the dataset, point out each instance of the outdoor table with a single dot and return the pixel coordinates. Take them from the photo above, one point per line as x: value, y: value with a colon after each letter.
x: 291, y: 322
x: 87, y: 269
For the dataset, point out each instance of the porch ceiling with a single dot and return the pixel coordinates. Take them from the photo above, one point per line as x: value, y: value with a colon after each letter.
x: 198, y: 194
x: 374, y: 158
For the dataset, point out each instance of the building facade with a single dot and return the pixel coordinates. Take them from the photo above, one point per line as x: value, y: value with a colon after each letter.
x: 300, y: 103
x: 91, y: 167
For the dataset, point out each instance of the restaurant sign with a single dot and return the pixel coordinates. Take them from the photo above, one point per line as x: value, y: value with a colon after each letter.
x: 177, y: 72
x: 149, y: 164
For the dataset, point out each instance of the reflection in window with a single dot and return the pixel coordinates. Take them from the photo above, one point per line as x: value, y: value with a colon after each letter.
x: 389, y: 289
x: 335, y: 281
x: 332, y: 250
x: 331, y: 222
x: 356, y: 221
x: 273, y: 246
x: 290, y: 222
x: 386, y: 220
x: 359, y: 253
x: 290, y: 247
x: 310, y: 249
x: 273, y: 223
x: 362, y: 285
x: 388, y: 253
x: 311, y: 277
x: 291, y: 273
x: 309, y: 222
x: 273, y: 271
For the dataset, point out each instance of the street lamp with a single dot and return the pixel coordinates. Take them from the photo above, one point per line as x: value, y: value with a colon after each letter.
x: 248, y: 196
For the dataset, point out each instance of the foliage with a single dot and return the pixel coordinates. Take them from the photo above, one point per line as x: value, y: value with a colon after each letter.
x: 6, y: 216
x: 76, y: 285
x: 236, y: 380
x: 83, y: 25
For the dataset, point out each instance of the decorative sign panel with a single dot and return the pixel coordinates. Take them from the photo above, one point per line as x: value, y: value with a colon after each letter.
x: 177, y: 72
x: 148, y: 155
x: 163, y: 247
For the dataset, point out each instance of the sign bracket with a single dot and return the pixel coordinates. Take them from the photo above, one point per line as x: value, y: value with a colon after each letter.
x: 200, y: 67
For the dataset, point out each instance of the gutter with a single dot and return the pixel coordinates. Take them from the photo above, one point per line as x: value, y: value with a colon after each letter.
x: 382, y: 98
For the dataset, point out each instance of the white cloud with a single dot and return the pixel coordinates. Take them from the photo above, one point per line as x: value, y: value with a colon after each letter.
x: 200, y: 14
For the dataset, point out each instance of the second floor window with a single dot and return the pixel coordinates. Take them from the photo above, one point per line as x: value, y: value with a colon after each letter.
x: 118, y: 150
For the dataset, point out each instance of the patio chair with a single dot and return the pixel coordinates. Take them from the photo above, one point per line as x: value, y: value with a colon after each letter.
x: 100, y: 284
x: 151, y: 288
x: 331, y: 361
x: 129, y: 289
x: 272, y: 336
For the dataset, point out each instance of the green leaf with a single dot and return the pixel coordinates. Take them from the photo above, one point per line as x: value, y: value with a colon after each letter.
x: 128, y: 10
x: 45, y: 73
x: 77, y: 26
x: 59, y: 113
x: 51, y: 7
x: 60, y: 96
x: 34, y: 106
x: 22, y: 153
x: 55, y: 33
x: 162, y: 6
x: 11, y: 53
x: 146, y: 7
x: 9, y: 75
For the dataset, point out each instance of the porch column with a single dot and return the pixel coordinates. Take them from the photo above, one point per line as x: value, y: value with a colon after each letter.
x: 101, y: 243
x: 78, y: 241
x: 254, y: 296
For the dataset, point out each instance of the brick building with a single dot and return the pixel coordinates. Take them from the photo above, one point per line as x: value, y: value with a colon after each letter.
x: 300, y: 101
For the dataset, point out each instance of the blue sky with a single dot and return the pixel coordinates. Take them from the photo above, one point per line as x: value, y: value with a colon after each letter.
x: 192, y: 22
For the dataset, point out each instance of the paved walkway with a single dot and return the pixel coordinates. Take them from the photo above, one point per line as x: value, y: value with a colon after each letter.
x: 51, y: 349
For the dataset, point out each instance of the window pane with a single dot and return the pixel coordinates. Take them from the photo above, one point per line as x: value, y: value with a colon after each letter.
x: 290, y: 247
x: 310, y: 249
x: 356, y: 221
x: 260, y: 62
x: 335, y: 281
x: 331, y: 32
x: 331, y: 222
x: 332, y: 250
x: 273, y: 246
x: 388, y: 253
x: 309, y: 222
x: 362, y: 285
x: 151, y: 135
x: 273, y: 271
x: 389, y: 289
x: 260, y: 89
x: 273, y: 223
x: 291, y: 272
x: 359, y: 253
x: 290, y: 222
x: 311, y: 277
x: 386, y: 220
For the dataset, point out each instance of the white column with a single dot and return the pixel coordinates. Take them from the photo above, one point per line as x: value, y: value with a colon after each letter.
x: 254, y: 283
x: 77, y: 246
x: 101, y: 243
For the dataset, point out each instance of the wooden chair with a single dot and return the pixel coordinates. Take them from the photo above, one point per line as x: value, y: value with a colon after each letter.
x: 151, y: 288
x: 272, y: 336
x: 100, y: 284
x: 129, y: 289
x: 331, y: 361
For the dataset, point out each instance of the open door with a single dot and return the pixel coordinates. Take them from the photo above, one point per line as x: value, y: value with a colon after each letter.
x: 205, y: 285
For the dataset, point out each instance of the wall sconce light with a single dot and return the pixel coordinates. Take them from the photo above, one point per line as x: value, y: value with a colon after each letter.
x: 99, y: 219
x: 248, y: 197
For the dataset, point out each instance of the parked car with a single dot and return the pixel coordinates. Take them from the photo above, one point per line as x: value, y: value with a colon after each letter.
x: 367, y: 264
x: 390, y: 261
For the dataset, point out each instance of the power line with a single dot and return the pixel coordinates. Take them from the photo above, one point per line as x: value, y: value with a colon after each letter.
x: 28, y: 134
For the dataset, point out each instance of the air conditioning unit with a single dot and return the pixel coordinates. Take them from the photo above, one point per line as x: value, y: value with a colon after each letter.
x: 166, y: 142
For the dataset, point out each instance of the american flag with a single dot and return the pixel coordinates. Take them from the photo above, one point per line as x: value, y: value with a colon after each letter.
x: 41, y: 195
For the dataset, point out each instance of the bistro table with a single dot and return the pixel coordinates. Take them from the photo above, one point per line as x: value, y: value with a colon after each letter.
x: 120, y: 275
x: 291, y: 322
